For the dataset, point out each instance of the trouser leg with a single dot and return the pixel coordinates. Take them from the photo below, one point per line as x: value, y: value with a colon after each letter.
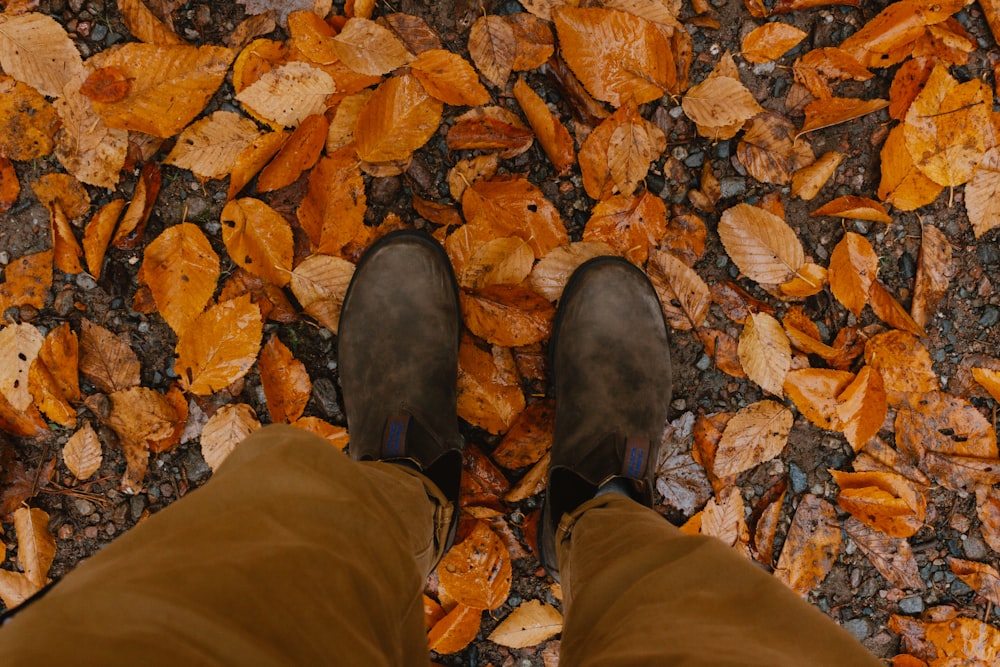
x: 638, y: 592
x: 291, y: 555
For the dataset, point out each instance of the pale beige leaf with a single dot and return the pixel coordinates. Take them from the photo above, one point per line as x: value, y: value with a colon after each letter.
x: 224, y: 430
x: 467, y: 172
x: 209, y: 147
x: 493, y: 47
x: 36, y: 547
x: 719, y: 101
x: 765, y: 353
x: 504, y: 261
x: 85, y: 146
x: 105, y: 359
x: 220, y: 346
x: 368, y: 48
x: 982, y: 194
x: 891, y: 556
x: 181, y: 269
x: 550, y: 275
x: 19, y: 346
x: 82, y: 452
x: 36, y: 50
x: 723, y: 518
x: 289, y: 93
x: 755, y: 434
x: 341, y: 130
x: 320, y: 285
x: 761, y: 244
x: 543, y: 8
x: 531, y: 623
x: 15, y: 588
x: 684, y: 296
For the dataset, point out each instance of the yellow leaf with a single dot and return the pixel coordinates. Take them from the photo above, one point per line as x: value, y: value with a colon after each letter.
x: 219, y: 347
x: 890, y: 311
x: 368, y: 48
x: 531, y: 623
x: 82, y: 453
x: 209, y: 147
x: 718, y: 102
x: 36, y: 50
x: 765, y: 353
x: 144, y: 24
x: 723, y: 518
x: 224, y: 430
x: 448, y: 77
x: 808, y: 181
x: 771, y: 41
x: 288, y: 93
x: 258, y: 239
x: 853, y: 270
x: 320, y: 284
x: 761, y: 244
x: 862, y: 407
x: 755, y: 434
x: 29, y: 121
x: 397, y: 120
x: 170, y: 85
x: 181, y: 270
x: 903, y: 185
x: 551, y: 133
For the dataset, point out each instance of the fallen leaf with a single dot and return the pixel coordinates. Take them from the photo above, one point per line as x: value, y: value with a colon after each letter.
x: 181, y: 269
x: 722, y: 518
x: 535, y: 41
x: 811, y: 546
x: 27, y: 281
x: 862, y: 407
x: 633, y: 145
x: 219, y: 347
x: 816, y: 68
x: 903, y: 362
x: 761, y: 244
x: 82, y: 453
x: 36, y: 549
x: 64, y: 191
x: 258, y: 239
x: 53, y: 376
x: 489, y: 392
x: 106, y: 360
x: 467, y: 172
x: 771, y: 41
x: 853, y: 271
x: 954, y: 641
x: 397, y: 120
x: 903, y: 185
x: 808, y: 181
x: 531, y: 623
x: 225, y: 430
x: 345, y: 119
x: 946, y: 424
x: 765, y: 519
x: 144, y: 420
x: 288, y: 93
x: 490, y: 128
x: 300, y: 152
x: 980, y: 577
x: 85, y: 146
x: 629, y: 224
x: 854, y: 208
x: 66, y: 249
x: 529, y: 438
x: 97, y: 235
x: 771, y: 151
x: 719, y: 102
x: 907, y: 84
x: 333, y: 210
x: 684, y: 296
x: 814, y: 392
x: 755, y: 434
x: 36, y: 50
x: 988, y: 511
x: 10, y: 187
x: 285, y: 381
x: 680, y: 479
x: 320, y: 285
x: 30, y: 121
x: 512, y: 206
x: 616, y: 55
x: 455, y: 631
x: 890, y: 311
x: 884, y: 501
x: 835, y: 110
x: 765, y: 353
x: 504, y: 261
x: 507, y: 315
x: 335, y: 435
x: 493, y: 47
x: 982, y: 194
x: 891, y: 556
x: 368, y: 48
x: 550, y: 274
x: 476, y: 572
x: 144, y: 24
x: 132, y: 225
x: 19, y: 346
x: 448, y: 77
x: 551, y: 133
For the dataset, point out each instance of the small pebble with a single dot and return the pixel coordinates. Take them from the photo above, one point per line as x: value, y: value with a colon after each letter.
x: 975, y: 548
x: 858, y: 627
x: 90, y: 532
x: 99, y: 32
x: 704, y: 363
x: 65, y: 531
x: 990, y: 316
x: 733, y: 186
x: 800, y: 482
x: 911, y: 605
x: 84, y: 281
x: 83, y: 507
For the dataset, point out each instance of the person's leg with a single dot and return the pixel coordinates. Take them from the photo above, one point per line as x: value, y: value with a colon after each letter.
x: 292, y: 554
x: 638, y: 592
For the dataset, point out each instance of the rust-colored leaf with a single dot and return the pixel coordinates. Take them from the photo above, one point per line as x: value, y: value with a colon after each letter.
x: 455, y: 630
x: 811, y: 546
x: 397, y: 120
x: 890, y: 311
x: 97, y: 235
x: 219, y: 347
x: 258, y: 239
x: 551, y: 133
x: 771, y: 151
x: 853, y: 271
x: 862, y: 407
x: 903, y: 362
x: 907, y: 84
x: 950, y: 641
x: 299, y: 153
x: 814, y: 392
x: 493, y: 47
x: 755, y: 434
x: 946, y: 424
x: 285, y: 381
x: 477, y: 572
x: 904, y: 185
x: 884, y: 501
x: 106, y: 360
x: 144, y: 420
x: 490, y: 128
x: 30, y: 121
x: 333, y: 210
x: 489, y: 391
x: 133, y: 223
x: 513, y: 206
x: 629, y: 224
x: 771, y: 41
x: 684, y: 296
x: 855, y: 208
x: 529, y: 438
x: 507, y: 315
x: 181, y: 269
x: 448, y: 77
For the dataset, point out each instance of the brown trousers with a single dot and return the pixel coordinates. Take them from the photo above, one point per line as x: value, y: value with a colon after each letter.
x: 295, y: 555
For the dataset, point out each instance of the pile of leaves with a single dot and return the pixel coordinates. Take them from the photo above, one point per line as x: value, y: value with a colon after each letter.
x: 326, y: 102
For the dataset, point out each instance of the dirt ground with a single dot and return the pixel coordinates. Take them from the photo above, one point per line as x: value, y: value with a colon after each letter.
x: 88, y: 515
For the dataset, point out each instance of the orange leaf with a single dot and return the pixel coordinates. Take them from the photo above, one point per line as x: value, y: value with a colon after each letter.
x: 684, y: 296
x: 286, y: 383
x: 27, y: 281
x: 143, y: 419
x: 224, y: 431
x: 507, y: 315
x: 719, y: 105
x: 181, y: 270
x: 333, y: 210
x: 855, y: 208
x: 903, y: 362
x: 817, y: 66
x: 529, y: 438
x: 551, y: 133
x: 299, y: 153
x: 335, y: 435
x: 106, y: 360
x: 493, y: 47
x: 490, y: 128
x: 413, y: 31
x: 755, y: 434
x: 82, y: 452
x: 989, y: 379
x: 368, y: 48
x: 810, y: 279
x: 887, y: 309
x: 219, y: 347
x: 629, y: 224
x: 65, y: 247
x: 455, y: 631
x: 903, y: 185
x: 761, y: 244
x: 951, y: 641
x: 836, y: 110
x: 489, y: 390
x: 765, y: 353
x: 397, y: 120
x: 450, y: 78
x: 312, y: 37
x: 814, y: 392
x: 883, y: 500
x: 144, y: 24
x: 476, y: 572
x: 258, y: 239
x: 133, y: 223
x: 811, y: 546
x: 512, y: 206
x: 946, y: 424
x: 10, y: 187
x: 30, y: 121
x: 535, y: 41
x: 62, y: 190
x: 252, y: 158
x: 861, y: 407
x: 549, y: 276
x: 723, y: 518
x: 907, y: 84
x: 320, y: 284
x: 771, y: 41
x: 980, y: 577
x: 982, y: 194
x: 808, y: 181
x: 770, y: 150
x: 97, y: 235
x: 53, y: 377
x: 853, y: 270
x: 616, y: 55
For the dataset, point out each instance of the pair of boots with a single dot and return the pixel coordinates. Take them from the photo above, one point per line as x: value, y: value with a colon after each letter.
x: 398, y: 357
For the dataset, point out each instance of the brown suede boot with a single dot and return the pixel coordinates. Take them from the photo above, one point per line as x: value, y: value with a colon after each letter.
x: 612, y: 379
x: 397, y: 352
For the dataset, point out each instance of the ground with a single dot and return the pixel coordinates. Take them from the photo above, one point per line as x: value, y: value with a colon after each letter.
x: 88, y: 515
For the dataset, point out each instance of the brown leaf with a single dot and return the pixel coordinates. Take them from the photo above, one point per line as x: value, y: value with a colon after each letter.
x: 333, y: 210
x: 765, y: 353
x: 982, y: 194
x: 219, y: 347
x: 107, y: 360
x: 531, y: 484
x: 224, y: 430
x: 368, y: 48
x: 82, y: 452
x: 477, y: 572
x: 723, y: 349
x: 512, y: 206
x: 489, y: 391
x: 853, y: 271
x: 320, y: 285
x: 629, y: 224
x: 755, y: 434
x: 397, y: 120
x: 980, y: 577
x: 855, y: 208
x: 551, y: 133
x: 133, y: 223
x: 413, y: 31
x: 904, y: 185
x: 684, y: 296
x: 814, y: 392
x: 286, y: 383
x: 685, y: 237
x: 616, y: 55
x: 770, y: 41
x: 53, y: 375
x: 903, y: 362
x: 718, y: 104
x: 891, y: 556
x: 10, y: 187
x: 482, y: 482
x: 529, y: 438
x: 143, y: 419
x: 946, y: 424
x: 989, y: 379
x: 988, y: 511
x: 258, y: 239
x: 493, y: 47
x: 36, y: 549
x: 808, y: 181
x: 890, y: 311
x: 835, y: 110
x: 490, y: 128
x: 62, y: 190
x: 761, y: 244
x: 467, y: 172
x: 144, y: 24
x: 952, y: 641
x: 549, y: 276
x: 535, y: 41
x: 36, y: 50
x: 771, y: 152
x: 811, y: 546
x: 884, y: 501
x: 181, y: 269
x: 531, y: 623
x: 505, y: 261
x: 448, y: 77
x: 768, y: 515
x: 299, y: 153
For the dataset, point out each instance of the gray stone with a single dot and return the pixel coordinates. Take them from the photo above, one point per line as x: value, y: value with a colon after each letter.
x: 990, y: 316
x: 912, y: 605
x: 695, y: 159
x: 83, y: 507
x: 325, y: 396
x: 974, y: 548
x: 195, y: 466
x: 800, y: 482
x: 858, y: 627
x: 704, y: 363
x: 137, y: 506
x: 732, y: 186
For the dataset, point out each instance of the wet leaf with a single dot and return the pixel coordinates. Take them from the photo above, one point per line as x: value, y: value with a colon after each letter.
x: 770, y: 150
x: 505, y: 261
x: 980, y: 577
x: 531, y: 623
x: 755, y: 434
x: 891, y: 556
x: 771, y: 41
x: 288, y: 93
x: 368, y: 48
x: 719, y: 102
x: 82, y: 453
x: 854, y: 208
x: 814, y: 392
x: 97, y: 235
x: 299, y: 153
x: 225, y: 430
x: 181, y: 269
x: 907, y: 84
x: 219, y: 347
x: 862, y: 407
x: 890, y: 311
x: 258, y: 239
x: 765, y: 353
x: 507, y: 315
x: 19, y: 346
x: 811, y: 546
x: 632, y: 225
x: 467, y: 172
x: 513, y: 206
x: 808, y: 181
x: 286, y: 383
x: 345, y: 119
x: 551, y: 133
x: 455, y: 631
x: 144, y: 420
x: 835, y: 110
x: 30, y: 121
x: 335, y: 435
x: 489, y: 392
x: 320, y: 285
x: 884, y: 501
x: 946, y: 424
x: 529, y: 438
x: 490, y: 128
x: 684, y: 296
x: 397, y: 120
x: 853, y: 271
x: 904, y: 185
x: 448, y: 77
x: 954, y: 641
x: 903, y: 362
x: 477, y: 572
x: 333, y: 210
x: 107, y: 360
x: 761, y: 244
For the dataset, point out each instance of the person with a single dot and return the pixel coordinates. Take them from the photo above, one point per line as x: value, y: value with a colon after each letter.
x: 295, y: 554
